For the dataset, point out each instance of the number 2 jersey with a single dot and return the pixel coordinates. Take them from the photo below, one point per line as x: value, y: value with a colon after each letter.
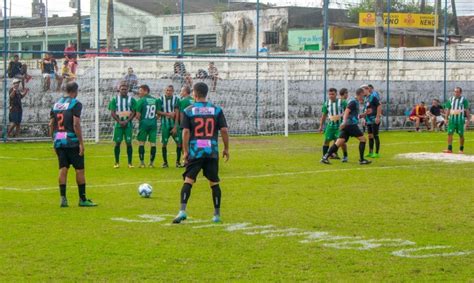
x: 62, y: 114
x: 204, y: 120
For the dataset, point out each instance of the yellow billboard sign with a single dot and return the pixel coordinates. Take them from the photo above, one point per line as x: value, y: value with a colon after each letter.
x: 401, y: 20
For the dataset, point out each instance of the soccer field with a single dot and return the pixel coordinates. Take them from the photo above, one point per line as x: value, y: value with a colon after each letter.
x: 286, y: 217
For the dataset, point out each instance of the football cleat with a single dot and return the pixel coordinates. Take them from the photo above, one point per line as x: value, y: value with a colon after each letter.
x: 151, y: 165
x: 216, y: 219
x: 376, y: 155
x: 116, y: 166
x: 180, y: 217
x: 131, y: 166
x: 142, y: 165
x: 364, y: 162
x: 447, y: 151
x: 87, y: 203
x: 345, y: 159
x: 371, y: 155
x: 179, y: 165
x: 324, y: 160
x: 64, y: 202
x: 164, y: 165
x: 461, y: 152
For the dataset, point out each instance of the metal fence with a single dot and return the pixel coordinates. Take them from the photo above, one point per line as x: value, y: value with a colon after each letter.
x: 327, y: 46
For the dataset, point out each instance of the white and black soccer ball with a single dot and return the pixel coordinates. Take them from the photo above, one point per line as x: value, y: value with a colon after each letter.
x: 145, y: 190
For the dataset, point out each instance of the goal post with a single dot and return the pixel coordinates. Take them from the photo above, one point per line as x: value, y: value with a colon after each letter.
x: 251, y: 107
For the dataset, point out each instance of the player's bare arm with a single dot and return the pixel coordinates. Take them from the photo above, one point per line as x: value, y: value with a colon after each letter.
x: 379, y: 114
x: 78, y: 132
x: 225, y: 140
x: 344, y: 118
x: 186, y: 135
x: 321, y: 123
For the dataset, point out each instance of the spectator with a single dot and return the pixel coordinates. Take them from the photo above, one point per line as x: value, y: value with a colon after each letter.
x: 179, y: 71
x: 68, y: 75
x: 131, y: 80
x: 71, y: 56
x: 16, y: 109
x: 418, y: 115
x: 188, y: 80
x: 436, y: 114
x: 18, y: 70
x: 202, y: 74
x: 213, y: 75
x: 264, y: 49
x: 50, y: 71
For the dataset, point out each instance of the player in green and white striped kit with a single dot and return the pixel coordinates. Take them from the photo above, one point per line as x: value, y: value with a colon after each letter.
x: 169, y: 113
x: 457, y: 110
x: 122, y: 108
x: 334, y: 109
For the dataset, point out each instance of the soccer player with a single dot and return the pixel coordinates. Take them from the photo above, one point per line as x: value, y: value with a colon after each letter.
x: 146, y: 113
x: 373, y: 110
x: 65, y: 129
x: 122, y: 108
x: 349, y: 128
x: 334, y: 109
x: 185, y: 101
x: 201, y: 124
x: 344, y: 94
x: 457, y: 110
x: 169, y: 112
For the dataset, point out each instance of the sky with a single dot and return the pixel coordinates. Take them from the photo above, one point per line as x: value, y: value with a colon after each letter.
x: 61, y: 7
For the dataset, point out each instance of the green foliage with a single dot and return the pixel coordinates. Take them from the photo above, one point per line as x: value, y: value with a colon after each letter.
x: 268, y: 181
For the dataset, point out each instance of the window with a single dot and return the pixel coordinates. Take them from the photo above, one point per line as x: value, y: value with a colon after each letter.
x: 129, y: 42
x: 206, y: 40
x: 153, y: 43
x: 189, y: 41
x: 272, y: 37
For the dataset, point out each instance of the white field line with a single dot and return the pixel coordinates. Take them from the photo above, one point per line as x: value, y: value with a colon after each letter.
x: 314, y: 148
x: 440, y: 157
x: 242, y: 177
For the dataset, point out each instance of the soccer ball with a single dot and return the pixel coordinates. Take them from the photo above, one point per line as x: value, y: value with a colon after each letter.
x: 145, y: 190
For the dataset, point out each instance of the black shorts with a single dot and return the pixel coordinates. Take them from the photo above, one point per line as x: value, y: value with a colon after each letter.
x: 70, y: 156
x: 209, y: 166
x: 15, y: 117
x: 350, y: 131
x: 373, y: 129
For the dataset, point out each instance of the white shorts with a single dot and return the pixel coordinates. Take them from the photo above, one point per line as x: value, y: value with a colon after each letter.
x: 439, y: 119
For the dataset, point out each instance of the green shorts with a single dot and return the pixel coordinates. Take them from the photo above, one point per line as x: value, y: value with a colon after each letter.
x: 147, y: 133
x: 120, y: 133
x: 331, y: 133
x: 456, y: 127
x: 166, y: 134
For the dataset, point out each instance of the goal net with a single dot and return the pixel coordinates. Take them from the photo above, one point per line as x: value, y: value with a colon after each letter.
x: 253, y: 104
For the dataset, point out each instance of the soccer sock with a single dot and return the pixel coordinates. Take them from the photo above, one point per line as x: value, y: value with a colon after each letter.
x: 461, y: 148
x: 371, y: 145
x: 361, y: 150
x: 152, y: 153
x: 216, y: 199
x: 117, y: 153
x: 129, y: 153
x: 82, y: 192
x: 344, y: 151
x: 164, y: 153
x: 141, y: 153
x: 178, y: 153
x: 185, y: 194
x: 325, y: 149
x: 62, y: 190
x: 450, y: 147
x: 377, y: 144
x: 332, y: 149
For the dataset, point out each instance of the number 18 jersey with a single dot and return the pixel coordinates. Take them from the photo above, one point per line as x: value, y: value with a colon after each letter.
x: 147, y: 106
x: 204, y: 120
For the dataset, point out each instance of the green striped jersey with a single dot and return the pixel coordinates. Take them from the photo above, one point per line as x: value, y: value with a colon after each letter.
x: 168, y: 105
x: 335, y: 111
x: 457, y: 107
x: 123, y: 106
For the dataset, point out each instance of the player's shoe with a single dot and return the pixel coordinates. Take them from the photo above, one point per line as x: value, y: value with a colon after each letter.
x: 364, y: 162
x: 179, y: 165
x: 151, y: 165
x: 116, y: 165
x: 216, y: 219
x: 345, y: 159
x: 164, y: 165
x: 376, y: 155
x: 131, y: 166
x: 64, y: 202
x: 87, y: 203
x: 447, y: 151
x: 142, y: 165
x: 370, y: 154
x: 335, y: 156
x: 180, y: 217
x: 325, y: 161
x: 461, y: 152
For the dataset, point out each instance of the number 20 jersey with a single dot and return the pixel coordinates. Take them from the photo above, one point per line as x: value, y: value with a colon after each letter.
x: 204, y: 120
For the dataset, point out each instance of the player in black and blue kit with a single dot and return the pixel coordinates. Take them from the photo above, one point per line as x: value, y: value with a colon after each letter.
x: 201, y: 123
x: 373, y: 109
x: 65, y: 129
x: 350, y: 128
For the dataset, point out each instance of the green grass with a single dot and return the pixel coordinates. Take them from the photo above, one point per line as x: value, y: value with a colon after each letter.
x: 268, y: 181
